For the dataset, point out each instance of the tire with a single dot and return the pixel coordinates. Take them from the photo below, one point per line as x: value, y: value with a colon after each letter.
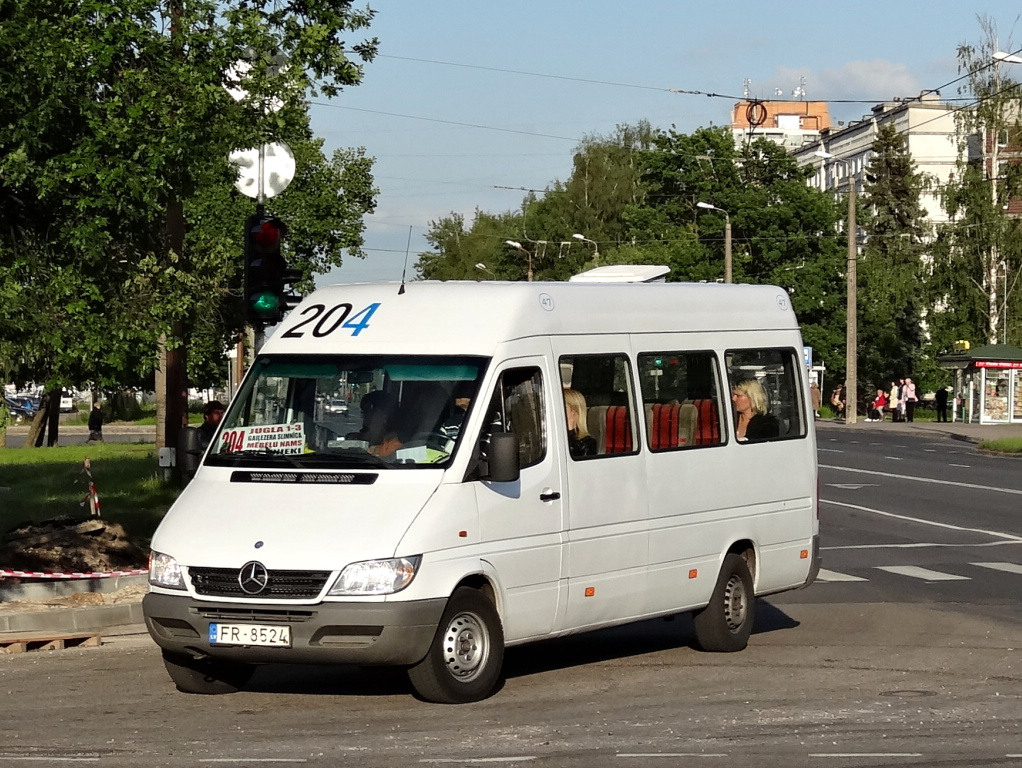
x: 206, y: 676
x: 725, y: 624
x: 464, y: 660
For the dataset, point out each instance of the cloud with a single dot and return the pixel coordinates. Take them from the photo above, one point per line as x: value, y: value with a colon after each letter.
x: 877, y: 80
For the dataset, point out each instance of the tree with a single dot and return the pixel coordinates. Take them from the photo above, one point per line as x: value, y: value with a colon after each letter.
x: 784, y: 232
x: 603, y: 182
x: 114, y: 135
x: 890, y: 302
x: 980, y: 247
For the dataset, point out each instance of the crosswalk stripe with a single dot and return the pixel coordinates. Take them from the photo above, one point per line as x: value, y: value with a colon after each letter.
x: 1006, y: 567
x: 826, y: 575
x: 921, y: 573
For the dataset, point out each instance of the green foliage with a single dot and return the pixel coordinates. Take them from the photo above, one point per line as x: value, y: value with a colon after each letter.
x: 980, y: 248
x: 890, y: 303
x: 783, y: 232
x: 115, y: 124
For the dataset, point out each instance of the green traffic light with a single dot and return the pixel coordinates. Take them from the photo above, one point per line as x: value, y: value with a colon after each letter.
x: 265, y: 304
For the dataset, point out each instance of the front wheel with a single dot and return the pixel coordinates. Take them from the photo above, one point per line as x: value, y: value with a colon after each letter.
x: 725, y: 624
x: 206, y: 676
x: 464, y: 660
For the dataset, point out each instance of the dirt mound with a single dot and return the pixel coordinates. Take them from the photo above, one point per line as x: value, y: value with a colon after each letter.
x: 64, y: 544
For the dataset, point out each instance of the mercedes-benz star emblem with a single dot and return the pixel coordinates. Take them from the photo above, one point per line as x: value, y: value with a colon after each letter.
x: 253, y: 577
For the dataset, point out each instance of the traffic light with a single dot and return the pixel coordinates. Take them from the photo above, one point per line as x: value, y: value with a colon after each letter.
x: 266, y: 272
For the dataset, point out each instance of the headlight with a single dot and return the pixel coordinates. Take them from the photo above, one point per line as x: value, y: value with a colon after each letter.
x: 376, y: 577
x: 165, y: 572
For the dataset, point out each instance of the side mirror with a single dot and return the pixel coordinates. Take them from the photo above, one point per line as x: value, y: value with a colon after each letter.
x: 502, y: 458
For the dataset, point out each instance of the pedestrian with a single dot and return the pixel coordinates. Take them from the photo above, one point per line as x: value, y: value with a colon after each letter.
x: 910, y: 399
x: 940, y: 399
x: 837, y: 400
x: 95, y: 423
x: 211, y: 416
x: 817, y: 397
x: 876, y: 412
x: 893, y: 398
x: 902, y: 391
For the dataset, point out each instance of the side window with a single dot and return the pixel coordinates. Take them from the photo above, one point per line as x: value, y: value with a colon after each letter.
x: 598, y: 405
x: 517, y: 405
x: 680, y: 399
x: 766, y: 394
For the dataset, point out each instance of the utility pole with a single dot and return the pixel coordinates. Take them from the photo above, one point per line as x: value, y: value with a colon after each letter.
x: 852, y: 331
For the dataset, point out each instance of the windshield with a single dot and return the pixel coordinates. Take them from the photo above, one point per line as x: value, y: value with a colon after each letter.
x: 399, y: 411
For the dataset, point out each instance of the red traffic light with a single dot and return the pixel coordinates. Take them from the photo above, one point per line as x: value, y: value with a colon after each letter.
x: 268, y: 233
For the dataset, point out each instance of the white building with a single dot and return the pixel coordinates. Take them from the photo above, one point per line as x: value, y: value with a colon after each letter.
x: 928, y: 125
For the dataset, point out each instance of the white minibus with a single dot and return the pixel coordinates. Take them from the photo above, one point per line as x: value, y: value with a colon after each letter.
x: 520, y: 461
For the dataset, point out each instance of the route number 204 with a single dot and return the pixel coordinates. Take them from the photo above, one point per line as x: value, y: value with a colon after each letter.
x: 322, y: 321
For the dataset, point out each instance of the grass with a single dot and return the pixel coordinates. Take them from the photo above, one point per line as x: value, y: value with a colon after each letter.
x: 1004, y: 445
x: 42, y: 483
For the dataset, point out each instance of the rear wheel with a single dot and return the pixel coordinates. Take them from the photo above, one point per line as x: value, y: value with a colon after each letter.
x: 464, y: 660
x: 206, y: 676
x: 725, y: 624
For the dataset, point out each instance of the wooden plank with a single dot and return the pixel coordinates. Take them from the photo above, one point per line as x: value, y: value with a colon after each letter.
x: 49, y: 642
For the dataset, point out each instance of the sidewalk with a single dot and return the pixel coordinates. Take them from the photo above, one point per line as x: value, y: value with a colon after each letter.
x: 973, y: 433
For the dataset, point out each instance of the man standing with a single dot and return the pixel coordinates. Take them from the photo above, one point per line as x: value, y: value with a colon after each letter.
x: 941, y: 401
x: 910, y: 399
x: 95, y: 423
x: 211, y: 416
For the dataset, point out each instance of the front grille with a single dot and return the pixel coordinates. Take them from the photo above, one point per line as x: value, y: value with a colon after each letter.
x: 279, y: 616
x: 282, y: 585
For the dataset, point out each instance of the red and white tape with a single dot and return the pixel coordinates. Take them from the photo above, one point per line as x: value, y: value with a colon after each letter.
x: 74, y: 575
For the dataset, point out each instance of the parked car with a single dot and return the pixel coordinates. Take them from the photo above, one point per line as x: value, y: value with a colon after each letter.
x: 20, y: 408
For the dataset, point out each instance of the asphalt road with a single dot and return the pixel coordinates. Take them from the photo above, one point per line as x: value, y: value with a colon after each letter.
x: 878, y: 664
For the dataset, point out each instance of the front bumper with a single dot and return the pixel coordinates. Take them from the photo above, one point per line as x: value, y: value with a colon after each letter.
x: 394, y: 633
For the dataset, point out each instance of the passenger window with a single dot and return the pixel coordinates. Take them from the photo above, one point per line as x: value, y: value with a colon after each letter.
x: 680, y: 399
x: 518, y: 406
x: 598, y: 403
x: 766, y: 394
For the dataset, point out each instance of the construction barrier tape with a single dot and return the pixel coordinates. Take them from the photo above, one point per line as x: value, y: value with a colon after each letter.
x: 50, y: 575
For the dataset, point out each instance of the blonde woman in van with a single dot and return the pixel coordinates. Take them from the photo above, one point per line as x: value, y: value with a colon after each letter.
x: 753, y: 421
x: 580, y: 442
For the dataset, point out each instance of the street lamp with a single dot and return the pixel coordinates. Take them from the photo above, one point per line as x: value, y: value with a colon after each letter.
x: 482, y: 267
x: 596, y: 248
x: 851, y: 320
x: 518, y: 247
x: 727, y: 237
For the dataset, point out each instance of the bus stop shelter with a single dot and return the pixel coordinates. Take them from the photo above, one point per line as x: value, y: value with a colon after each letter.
x: 988, y: 384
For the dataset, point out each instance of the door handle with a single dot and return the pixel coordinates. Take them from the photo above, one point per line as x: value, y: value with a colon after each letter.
x: 552, y: 496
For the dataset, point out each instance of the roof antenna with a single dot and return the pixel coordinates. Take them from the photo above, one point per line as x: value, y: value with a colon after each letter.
x: 407, y: 248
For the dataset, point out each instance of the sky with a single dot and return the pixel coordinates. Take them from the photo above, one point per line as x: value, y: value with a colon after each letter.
x: 470, y: 104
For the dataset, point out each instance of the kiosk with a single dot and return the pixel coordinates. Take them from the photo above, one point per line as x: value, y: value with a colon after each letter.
x: 988, y: 384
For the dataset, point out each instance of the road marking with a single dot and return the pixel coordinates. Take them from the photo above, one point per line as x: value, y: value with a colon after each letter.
x: 995, y: 534
x: 672, y: 754
x: 894, y: 458
x: 1006, y: 567
x: 829, y: 450
x: 871, y: 755
x: 921, y: 573
x: 1013, y: 491
x: 922, y: 545
x: 511, y: 759
x: 852, y: 486
x: 253, y: 760
x: 51, y: 758
x: 826, y: 575
x: 963, y: 466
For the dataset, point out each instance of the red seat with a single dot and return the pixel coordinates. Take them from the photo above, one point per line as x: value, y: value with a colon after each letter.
x: 708, y: 423
x: 664, y: 433
x: 618, y: 434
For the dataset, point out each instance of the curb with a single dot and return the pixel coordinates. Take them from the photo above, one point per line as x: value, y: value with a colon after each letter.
x: 73, y: 619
